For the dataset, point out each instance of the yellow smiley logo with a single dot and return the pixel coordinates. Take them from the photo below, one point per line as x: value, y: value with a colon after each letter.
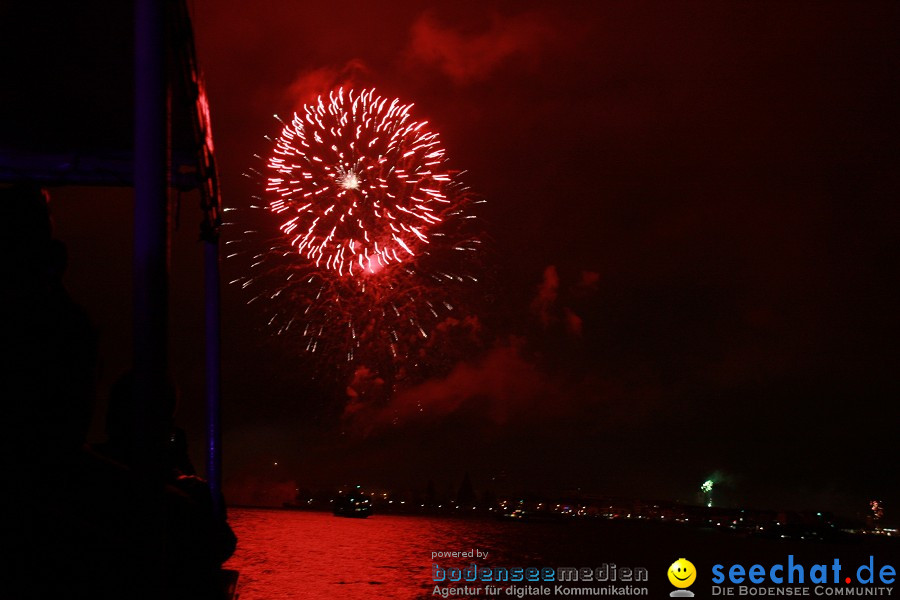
x: 682, y: 573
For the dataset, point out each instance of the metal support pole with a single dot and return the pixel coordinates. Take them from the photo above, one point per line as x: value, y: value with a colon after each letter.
x: 213, y: 370
x: 151, y: 245
x: 151, y: 213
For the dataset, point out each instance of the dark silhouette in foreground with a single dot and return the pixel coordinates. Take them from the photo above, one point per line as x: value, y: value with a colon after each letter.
x: 76, y: 524
x: 168, y: 463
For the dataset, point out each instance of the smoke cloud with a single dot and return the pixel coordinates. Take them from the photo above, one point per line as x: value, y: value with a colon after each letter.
x: 308, y: 85
x: 468, y: 58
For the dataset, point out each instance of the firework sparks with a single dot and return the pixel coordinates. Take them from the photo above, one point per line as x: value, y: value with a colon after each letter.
x: 358, y: 183
x: 706, y: 489
x: 374, y: 239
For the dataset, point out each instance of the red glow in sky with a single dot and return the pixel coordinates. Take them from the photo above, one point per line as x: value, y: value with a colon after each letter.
x: 692, y: 204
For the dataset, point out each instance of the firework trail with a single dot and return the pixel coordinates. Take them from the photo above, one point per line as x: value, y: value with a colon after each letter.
x: 367, y: 242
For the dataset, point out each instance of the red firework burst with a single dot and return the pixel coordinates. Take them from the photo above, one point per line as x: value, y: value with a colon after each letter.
x: 359, y: 182
x: 374, y: 243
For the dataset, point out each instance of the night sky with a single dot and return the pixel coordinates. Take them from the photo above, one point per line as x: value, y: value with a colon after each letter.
x: 692, y: 219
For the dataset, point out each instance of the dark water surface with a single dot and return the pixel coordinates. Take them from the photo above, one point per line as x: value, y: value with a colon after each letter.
x: 294, y: 554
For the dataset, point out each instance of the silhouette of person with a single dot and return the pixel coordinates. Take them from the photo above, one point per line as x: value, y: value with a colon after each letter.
x: 168, y: 453
x: 169, y: 461
x: 68, y: 518
x: 78, y: 525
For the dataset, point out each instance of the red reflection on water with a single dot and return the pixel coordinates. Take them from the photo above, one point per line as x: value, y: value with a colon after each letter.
x: 295, y: 554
